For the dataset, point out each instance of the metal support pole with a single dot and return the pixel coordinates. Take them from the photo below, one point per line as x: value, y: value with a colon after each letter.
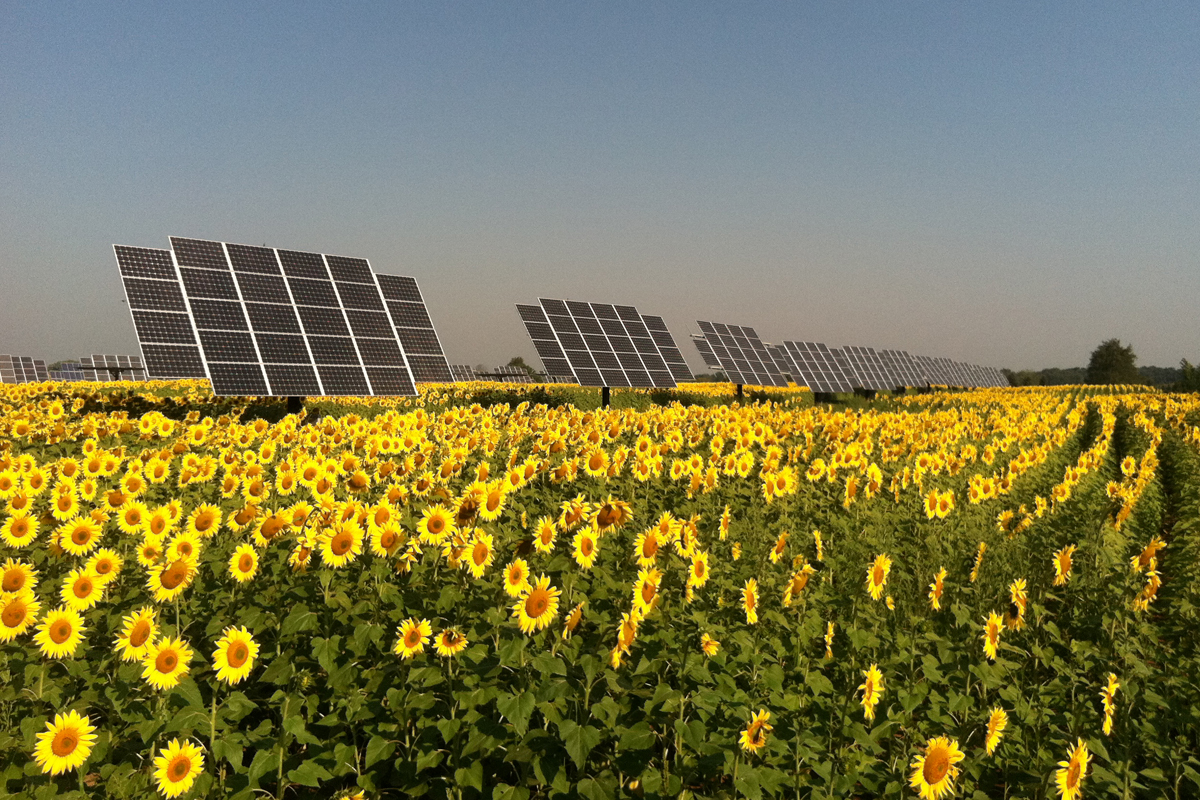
x: 605, y: 396
x: 739, y: 391
x: 295, y: 405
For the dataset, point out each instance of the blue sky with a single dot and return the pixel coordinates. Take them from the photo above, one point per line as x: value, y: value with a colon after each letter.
x: 1007, y: 184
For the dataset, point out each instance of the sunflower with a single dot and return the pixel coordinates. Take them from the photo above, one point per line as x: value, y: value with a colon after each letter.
x: 754, y: 737
x: 1108, y: 696
x: 709, y: 645
x: 1071, y: 772
x: 545, y: 533
x: 698, y: 573
x: 872, y: 689
x: 204, y: 521
x: 829, y: 640
x: 81, y: 589
x: 991, y: 635
x: 341, y: 544
x: 610, y: 514
x: 978, y: 561
x: 1062, y: 565
x: 997, y: 722
x: 482, y: 554
x: 59, y: 634
x: 177, y: 767
x: 537, y: 607
x: 1014, y: 618
x: 780, y: 545
x: 79, y: 536
x: 936, y: 589
x: 573, y: 512
x: 17, y: 576
x: 945, y: 504
x: 243, y: 563
x: 158, y: 521
x: 166, y: 662
x: 18, y: 613
x: 414, y: 635
x: 646, y: 548
x: 436, y: 525
x: 877, y: 575
x: 105, y: 564
x: 131, y: 517
x: 934, y: 771
x: 387, y: 539
x: 516, y: 577
x: 235, y: 655
x: 65, y: 744
x: 137, y: 634
x: 167, y: 580
x: 450, y: 643
x: 573, y: 620
x: 750, y: 601
x: 645, y: 591
x: 19, y: 530
x: 931, y: 504
x: 586, y: 548
x: 493, y: 500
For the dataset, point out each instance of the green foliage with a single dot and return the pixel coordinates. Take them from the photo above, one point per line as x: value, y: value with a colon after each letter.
x: 1113, y: 363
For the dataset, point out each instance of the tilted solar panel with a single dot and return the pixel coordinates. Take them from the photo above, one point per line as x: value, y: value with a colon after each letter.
x: 706, y: 351
x: 605, y: 345
x: 554, y: 360
x: 743, y: 357
x: 414, y: 329
x: 165, y: 331
x: 670, y: 351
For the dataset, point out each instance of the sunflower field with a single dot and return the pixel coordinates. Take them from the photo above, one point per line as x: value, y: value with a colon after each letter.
x: 511, y: 593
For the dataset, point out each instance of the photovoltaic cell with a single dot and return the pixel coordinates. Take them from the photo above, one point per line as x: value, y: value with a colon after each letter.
x: 670, y: 352
x: 742, y: 355
x: 554, y: 361
x: 706, y: 351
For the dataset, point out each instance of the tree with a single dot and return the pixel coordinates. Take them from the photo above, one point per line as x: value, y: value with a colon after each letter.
x: 1190, y: 380
x: 519, y: 362
x: 1112, y: 363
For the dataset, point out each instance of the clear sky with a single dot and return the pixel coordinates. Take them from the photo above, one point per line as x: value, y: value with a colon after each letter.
x: 1002, y: 183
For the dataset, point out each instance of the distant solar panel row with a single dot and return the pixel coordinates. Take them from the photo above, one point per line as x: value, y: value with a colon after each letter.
x: 830, y: 370
x: 22, y: 369
x: 463, y: 372
x: 112, y: 368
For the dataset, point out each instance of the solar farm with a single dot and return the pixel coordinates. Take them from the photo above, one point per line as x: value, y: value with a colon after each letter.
x: 289, y: 550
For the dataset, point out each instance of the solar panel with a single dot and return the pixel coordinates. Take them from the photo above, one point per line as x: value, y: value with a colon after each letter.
x: 896, y: 369
x: 848, y: 368
x: 67, y: 371
x: 22, y: 369
x: 554, y: 360
x: 742, y: 355
x: 463, y: 373
x: 706, y: 351
x: 413, y: 328
x: 783, y: 361
x: 604, y: 345
x: 165, y: 331
x: 671, y: 354
x: 868, y: 367
x: 512, y: 374
x: 817, y: 369
x: 262, y: 321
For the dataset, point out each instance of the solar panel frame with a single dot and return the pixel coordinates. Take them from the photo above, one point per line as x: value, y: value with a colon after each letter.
x: 706, y: 351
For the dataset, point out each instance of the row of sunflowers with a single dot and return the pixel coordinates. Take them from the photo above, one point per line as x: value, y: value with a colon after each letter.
x: 980, y: 593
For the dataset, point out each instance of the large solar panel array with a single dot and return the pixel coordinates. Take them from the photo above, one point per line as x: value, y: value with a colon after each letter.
x: 22, y: 369
x: 817, y: 369
x: 263, y: 321
x: 601, y: 344
x: 743, y: 357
